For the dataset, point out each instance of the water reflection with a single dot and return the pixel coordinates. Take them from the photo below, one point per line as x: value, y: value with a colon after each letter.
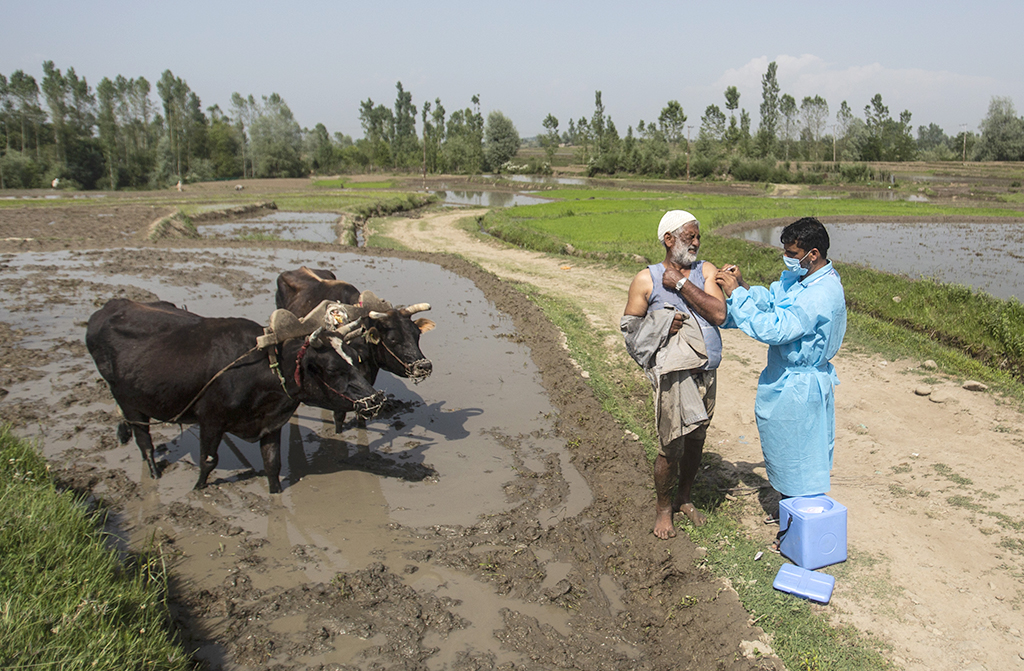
x: 892, y: 196
x: 541, y: 179
x: 984, y: 256
x: 307, y: 226
x: 488, y: 198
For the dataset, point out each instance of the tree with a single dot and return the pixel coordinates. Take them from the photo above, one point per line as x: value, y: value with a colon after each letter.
x: 185, y: 123
x: 463, y: 147
x: 277, y: 140
x: 502, y: 140
x: 712, y: 124
x: 672, y: 122
x: 23, y: 103
x: 378, y: 126
x: 549, y: 141
x: 732, y: 103
x: 404, y: 145
x: 844, y: 119
x: 788, y: 122
x: 225, y: 145
x: 321, y: 154
x: 1002, y: 133
x: 245, y: 109
x: 767, y: 131
x: 815, y: 113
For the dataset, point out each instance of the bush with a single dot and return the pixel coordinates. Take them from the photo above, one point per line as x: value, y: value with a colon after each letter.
x: 703, y: 166
x: 19, y: 171
x: 753, y: 171
x: 1007, y: 326
x: 855, y: 172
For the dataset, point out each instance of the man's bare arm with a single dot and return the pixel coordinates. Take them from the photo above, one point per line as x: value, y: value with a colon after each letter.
x: 709, y: 303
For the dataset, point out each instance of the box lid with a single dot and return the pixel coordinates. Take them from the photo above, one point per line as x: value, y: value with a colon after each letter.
x: 803, y: 583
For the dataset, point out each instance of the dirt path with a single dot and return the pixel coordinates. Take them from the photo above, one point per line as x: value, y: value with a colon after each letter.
x: 932, y: 482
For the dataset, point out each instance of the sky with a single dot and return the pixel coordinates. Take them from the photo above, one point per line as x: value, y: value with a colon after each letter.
x: 943, y: 61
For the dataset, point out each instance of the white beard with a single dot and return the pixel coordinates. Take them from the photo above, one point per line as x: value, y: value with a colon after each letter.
x: 684, y: 257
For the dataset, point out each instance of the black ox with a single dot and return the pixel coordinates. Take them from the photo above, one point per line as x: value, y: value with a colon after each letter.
x: 166, y: 364
x: 390, y: 338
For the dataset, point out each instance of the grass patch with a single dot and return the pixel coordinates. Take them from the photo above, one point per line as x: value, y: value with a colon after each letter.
x: 948, y: 473
x: 68, y: 602
x: 802, y: 634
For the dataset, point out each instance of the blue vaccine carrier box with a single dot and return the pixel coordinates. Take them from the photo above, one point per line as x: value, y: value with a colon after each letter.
x: 814, y: 530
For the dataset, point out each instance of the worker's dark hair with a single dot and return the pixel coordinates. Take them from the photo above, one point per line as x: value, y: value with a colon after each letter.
x: 808, y: 233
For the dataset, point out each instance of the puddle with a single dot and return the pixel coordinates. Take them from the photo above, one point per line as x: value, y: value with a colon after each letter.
x: 985, y: 256
x: 540, y: 179
x: 444, y: 438
x: 488, y: 198
x: 305, y: 226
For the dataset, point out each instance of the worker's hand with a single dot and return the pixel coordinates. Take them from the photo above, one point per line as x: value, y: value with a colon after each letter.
x: 735, y: 271
x: 729, y: 279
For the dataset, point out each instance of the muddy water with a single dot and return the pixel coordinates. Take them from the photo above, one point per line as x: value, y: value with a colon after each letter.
x: 439, y: 459
x: 985, y: 256
x: 308, y: 226
x: 488, y: 198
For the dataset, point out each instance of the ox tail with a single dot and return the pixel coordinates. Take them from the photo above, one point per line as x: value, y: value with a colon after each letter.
x: 124, y: 432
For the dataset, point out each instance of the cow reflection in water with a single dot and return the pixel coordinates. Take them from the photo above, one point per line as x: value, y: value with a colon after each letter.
x: 163, y: 363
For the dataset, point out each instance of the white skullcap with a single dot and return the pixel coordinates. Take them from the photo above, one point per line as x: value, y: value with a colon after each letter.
x: 672, y: 220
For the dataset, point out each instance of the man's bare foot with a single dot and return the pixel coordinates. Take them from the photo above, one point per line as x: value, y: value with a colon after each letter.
x: 663, y: 527
x: 695, y: 516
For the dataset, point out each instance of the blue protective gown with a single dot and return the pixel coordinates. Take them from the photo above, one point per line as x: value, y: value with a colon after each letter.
x: 803, y: 324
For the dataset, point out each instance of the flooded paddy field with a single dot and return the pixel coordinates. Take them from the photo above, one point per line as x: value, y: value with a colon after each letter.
x: 492, y: 517
x: 984, y: 255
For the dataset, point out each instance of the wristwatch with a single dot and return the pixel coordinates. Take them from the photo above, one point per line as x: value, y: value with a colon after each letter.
x: 680, y: 283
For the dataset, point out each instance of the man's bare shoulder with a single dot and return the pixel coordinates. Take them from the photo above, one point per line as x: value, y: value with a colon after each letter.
x: 642, y: 278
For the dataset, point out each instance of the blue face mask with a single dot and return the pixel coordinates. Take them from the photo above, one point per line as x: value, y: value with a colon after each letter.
x: 793, y: 265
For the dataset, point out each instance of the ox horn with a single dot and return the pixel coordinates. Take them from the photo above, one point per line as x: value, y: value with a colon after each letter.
x: 413, y: 309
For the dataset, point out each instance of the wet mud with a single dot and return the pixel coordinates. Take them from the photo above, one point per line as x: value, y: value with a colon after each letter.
x: 494, y: 517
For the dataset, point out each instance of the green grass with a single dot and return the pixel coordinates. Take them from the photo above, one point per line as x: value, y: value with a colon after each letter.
x: 617, y: 226
x: 66, y: 600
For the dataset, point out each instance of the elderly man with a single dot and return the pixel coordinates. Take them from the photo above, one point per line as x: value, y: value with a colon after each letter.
x: 670, y: 326
x: 802, y: 319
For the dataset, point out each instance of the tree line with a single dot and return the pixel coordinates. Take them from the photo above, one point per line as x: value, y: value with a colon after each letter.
x: 117, y: 137
x: 726, y: 143
x: 62, y: 131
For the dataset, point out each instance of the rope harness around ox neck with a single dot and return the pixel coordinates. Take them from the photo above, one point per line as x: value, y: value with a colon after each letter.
x: 298, y: 374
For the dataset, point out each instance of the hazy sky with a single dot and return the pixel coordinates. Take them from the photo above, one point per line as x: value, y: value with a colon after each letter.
x: 941, y: 60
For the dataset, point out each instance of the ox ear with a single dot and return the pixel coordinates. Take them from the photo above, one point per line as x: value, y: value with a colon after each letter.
x: 424, y: 325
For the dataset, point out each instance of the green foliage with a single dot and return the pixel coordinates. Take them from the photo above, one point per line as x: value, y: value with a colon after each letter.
x: 501, y: 141
x: 1006, y: 324
x: 68, y: 602
x: 20, y: 171
x: 1002, y: 133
